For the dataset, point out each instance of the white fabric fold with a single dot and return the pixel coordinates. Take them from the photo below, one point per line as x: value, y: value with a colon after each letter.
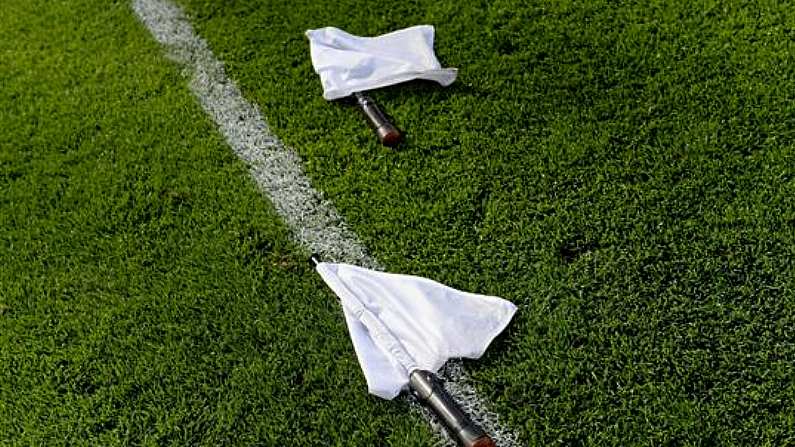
x: 348, y: 63
x: 399, y: 323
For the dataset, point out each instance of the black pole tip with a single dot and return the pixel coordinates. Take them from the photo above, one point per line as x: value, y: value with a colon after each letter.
x: 314, y: 259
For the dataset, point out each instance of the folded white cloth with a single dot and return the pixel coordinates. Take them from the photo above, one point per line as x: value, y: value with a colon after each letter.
x: 400, y: 323
x: 348, y: 63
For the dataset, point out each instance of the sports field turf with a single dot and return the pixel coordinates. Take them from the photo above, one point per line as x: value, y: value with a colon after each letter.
x: 624, y: 173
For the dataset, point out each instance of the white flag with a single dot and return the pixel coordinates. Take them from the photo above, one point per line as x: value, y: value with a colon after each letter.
x: 348, y: 63
x: 399, y: 323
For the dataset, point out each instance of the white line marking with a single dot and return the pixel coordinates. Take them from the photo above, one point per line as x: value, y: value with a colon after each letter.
x: 278, y: 172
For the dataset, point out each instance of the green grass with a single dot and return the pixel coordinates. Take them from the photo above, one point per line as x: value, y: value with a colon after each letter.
x: 625, y: 173
x: 148, y: 294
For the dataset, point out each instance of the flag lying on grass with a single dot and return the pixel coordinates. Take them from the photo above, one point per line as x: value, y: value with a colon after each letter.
x: 348, y: 63
x: 400, y: 323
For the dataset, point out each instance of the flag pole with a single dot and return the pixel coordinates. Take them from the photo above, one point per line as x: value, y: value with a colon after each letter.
x: 387, y: 133
x: 428, y: 389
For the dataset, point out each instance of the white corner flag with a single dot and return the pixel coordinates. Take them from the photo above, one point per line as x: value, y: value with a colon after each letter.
x: 348, y: 64
x: 400, y: 324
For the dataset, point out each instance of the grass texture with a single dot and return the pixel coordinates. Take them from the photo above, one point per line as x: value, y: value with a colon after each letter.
x: 148, y: 294
x: 624, y: 172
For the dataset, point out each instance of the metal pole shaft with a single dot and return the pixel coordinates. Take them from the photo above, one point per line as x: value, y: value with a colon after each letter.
x: 429, y: 390
x: 387, y: 133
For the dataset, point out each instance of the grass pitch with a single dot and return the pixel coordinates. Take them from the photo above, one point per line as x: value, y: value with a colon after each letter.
x: 625, y: 173
x: 148, y: 294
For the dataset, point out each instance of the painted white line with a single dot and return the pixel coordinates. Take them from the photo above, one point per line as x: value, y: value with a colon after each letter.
x: 278, y: 172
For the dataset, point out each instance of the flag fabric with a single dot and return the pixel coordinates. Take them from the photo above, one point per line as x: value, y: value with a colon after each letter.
x: 401, y: 323
x: 348, y: 63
